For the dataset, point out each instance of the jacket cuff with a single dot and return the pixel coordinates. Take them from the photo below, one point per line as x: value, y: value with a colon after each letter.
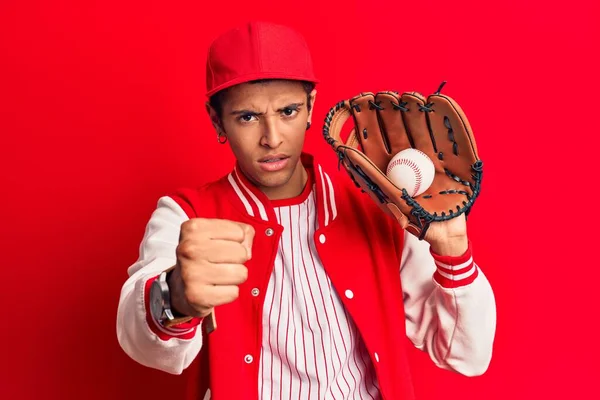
x: 186, y: 330
x: 453, y: 272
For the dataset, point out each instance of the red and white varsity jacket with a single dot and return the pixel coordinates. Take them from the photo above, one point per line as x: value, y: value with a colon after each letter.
x: 389, y: 283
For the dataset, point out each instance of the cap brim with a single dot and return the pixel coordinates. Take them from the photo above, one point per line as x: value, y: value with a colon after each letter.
x: 253, y: 77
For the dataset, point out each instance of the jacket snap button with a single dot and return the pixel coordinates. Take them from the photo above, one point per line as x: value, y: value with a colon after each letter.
x: 248, y: 359
x: 322, y: 238
x: 269, y: 232
x: 255, y: 292
x: 349, y: 294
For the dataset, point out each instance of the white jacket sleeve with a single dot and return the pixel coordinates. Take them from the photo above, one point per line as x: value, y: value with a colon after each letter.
x: 450, y: 308
x: 140, y: 336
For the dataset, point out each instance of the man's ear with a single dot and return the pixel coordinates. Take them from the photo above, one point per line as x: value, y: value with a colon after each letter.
x: 214, y: 118
x: 312, y: 97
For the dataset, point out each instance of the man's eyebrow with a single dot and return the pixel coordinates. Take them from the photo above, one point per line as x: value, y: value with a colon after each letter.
x: 245, y: 112
x: 293, y: 106
x: 251, y: 112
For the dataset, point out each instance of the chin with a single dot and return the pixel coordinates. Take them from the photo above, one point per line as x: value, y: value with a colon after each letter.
x: 274, y: 180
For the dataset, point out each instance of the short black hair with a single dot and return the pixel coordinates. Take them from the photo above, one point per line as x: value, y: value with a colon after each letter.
x: 216, y: 100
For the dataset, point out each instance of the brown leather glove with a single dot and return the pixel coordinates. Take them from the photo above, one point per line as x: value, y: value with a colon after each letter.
x: 385, y: 124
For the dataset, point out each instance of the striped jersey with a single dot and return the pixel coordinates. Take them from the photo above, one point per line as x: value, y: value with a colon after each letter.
x: 311, y: 348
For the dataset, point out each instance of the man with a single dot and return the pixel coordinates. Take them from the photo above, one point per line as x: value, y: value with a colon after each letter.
x: 265, y: 251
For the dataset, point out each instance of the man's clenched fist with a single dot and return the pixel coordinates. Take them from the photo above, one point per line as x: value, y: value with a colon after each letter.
x: 210, y: 265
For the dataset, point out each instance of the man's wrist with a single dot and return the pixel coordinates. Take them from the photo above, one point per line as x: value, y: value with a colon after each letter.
x: 173, y: 282
x: 452, y: 247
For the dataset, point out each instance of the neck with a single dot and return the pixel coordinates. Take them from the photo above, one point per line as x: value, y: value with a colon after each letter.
x: 292, y: 188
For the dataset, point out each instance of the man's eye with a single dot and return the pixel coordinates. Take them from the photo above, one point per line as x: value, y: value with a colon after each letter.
x: 246, y: 117
x: 288, y: 112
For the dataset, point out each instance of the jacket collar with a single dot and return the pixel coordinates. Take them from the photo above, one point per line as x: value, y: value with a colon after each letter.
x: 256, y: 204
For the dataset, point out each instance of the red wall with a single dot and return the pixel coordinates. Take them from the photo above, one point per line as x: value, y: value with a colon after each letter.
x: 101, y: 112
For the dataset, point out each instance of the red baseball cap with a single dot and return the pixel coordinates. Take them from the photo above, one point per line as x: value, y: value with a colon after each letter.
x: 257, y: 50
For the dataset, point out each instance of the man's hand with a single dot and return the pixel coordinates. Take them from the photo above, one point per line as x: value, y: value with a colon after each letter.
x: 210, y: 265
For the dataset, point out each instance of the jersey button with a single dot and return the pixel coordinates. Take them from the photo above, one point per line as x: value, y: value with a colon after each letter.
x: 255, y: 292
x: 349, y: 294
x: 269, y: 232
x: 248, y: 359
x: 322, y: 238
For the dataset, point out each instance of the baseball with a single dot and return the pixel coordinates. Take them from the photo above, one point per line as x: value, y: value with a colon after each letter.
x: 411, y: 169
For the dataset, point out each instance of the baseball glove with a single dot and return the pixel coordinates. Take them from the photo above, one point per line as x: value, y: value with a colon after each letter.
x: 387, y: 123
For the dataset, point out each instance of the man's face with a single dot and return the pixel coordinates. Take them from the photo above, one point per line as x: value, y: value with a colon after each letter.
x: 265, y: 124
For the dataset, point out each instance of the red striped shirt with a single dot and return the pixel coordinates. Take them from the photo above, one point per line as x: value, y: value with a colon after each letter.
x: 311, y: 348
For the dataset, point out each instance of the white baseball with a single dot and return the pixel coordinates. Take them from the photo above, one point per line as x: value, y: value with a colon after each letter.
x: 411, y: 169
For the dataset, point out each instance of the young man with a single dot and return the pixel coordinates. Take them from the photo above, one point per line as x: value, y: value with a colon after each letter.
x: 265, y: 248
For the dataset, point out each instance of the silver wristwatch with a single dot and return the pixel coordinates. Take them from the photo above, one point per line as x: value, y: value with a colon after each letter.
x: 160, y: 300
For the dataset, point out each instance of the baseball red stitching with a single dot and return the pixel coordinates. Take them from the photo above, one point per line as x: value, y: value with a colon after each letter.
x: 413, y: 166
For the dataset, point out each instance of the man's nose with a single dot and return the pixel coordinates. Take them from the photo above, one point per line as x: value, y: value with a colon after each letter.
x: 271, y: 136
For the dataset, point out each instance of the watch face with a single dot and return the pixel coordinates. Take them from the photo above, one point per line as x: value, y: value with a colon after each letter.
x: 156, y: 302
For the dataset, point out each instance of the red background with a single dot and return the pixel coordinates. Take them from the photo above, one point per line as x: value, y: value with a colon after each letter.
x: 102, y: 112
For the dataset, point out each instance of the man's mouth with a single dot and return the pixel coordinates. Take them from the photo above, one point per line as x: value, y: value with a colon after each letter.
x: 274, y: 163
x: 272, y: 159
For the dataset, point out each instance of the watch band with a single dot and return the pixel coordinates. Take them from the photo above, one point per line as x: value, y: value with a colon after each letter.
x: 210, y: 322
x: 176, y: 321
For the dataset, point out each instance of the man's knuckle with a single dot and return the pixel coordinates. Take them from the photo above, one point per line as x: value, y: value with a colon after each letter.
x: 240, y: 252
x: 236, y: 231
x: 186, y: 249
x: 237, y: 273
x: 195, y: 225
x: 242, y: 273
x: 200, y: 223
x: 187, y: 227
